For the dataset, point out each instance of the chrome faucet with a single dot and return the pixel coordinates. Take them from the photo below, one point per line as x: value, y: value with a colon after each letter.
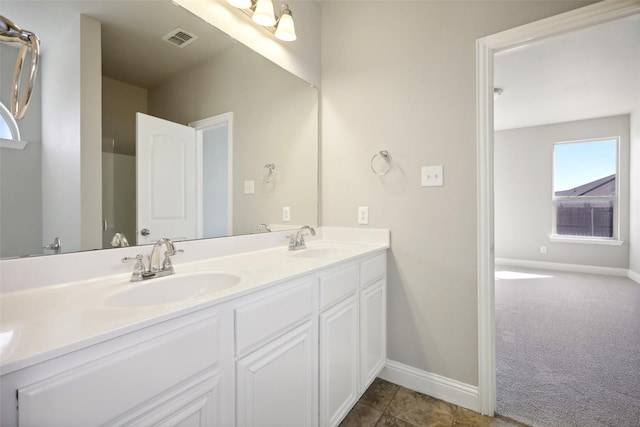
x: 296, y: 241
x: 140, y: 272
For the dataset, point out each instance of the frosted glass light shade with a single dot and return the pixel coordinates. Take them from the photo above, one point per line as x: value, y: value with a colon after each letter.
x: 263, y: 14
x: 240, y: 4
x: 286, y: 30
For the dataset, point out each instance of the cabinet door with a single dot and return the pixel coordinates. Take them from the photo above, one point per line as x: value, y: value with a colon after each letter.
x: 275, y: 384
x: 176, y: 375
x: 338, y: 361
x: 373, y: 332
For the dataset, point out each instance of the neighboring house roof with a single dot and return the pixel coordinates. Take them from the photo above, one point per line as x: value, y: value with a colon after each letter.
x: 600, y: 187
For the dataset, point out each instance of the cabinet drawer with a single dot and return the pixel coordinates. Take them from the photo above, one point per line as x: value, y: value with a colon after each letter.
x: 107, y: 388
x: 272, y: 315
x: 373, y: 269
x: 336, y: 285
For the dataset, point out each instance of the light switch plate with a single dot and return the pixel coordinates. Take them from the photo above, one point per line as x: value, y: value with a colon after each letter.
x: 432, y: 176
x: 249, y: 187
x: 363, y: 215
x: 286, y: 214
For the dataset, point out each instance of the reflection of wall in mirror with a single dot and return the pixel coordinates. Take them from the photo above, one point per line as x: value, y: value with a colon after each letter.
x: 120, y: 103
x: 226, y: 84
x: 20, y: 176
x: 72, y: 137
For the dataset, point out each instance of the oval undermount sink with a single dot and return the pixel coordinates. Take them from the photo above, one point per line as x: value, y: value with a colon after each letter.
x: 171, y: 289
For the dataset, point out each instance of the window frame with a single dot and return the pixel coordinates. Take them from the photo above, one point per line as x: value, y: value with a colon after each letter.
x: 614, y: 239
x: 15, y: 141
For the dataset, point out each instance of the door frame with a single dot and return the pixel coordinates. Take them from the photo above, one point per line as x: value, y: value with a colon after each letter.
x: 200, y: 126
x: 486, y: 47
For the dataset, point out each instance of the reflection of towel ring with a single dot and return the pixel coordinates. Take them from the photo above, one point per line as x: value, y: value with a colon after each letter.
x: 387, y: 158
x: 10, y: 32
x: 268, y: 176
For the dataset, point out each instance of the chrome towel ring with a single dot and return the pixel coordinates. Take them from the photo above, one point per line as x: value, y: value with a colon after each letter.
x: 10, y: 32
x: 384, y: 154
x: 267, y: 172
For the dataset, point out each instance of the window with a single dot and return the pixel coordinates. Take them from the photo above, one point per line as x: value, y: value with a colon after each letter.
x: 585, y: 200
x: 9, y: 132
x: 8, y: 125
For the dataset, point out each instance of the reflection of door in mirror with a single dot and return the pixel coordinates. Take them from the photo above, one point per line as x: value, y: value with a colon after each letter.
x: 166, y: 180
x: 214, y: 137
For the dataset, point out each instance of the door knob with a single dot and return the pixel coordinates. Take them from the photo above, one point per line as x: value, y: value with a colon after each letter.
x: 145, y: 232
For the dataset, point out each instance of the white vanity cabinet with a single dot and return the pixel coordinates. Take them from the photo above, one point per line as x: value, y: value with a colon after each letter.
x: 276, y: 350
x: 352, y: 326
x: 338, y: 326
x: 176, y: 373
x: 373, y: 318
x: 299, y: 353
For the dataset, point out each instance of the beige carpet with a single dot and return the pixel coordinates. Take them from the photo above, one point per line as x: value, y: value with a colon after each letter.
x: 567, y: 348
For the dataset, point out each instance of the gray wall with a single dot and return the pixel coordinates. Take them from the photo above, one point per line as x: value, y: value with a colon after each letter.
x: 20, y: 176
x: 634, y: 229
x: 400, y: 76
x: 523, y: 188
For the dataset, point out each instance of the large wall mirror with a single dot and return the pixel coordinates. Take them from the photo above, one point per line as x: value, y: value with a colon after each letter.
x: 148, y: 122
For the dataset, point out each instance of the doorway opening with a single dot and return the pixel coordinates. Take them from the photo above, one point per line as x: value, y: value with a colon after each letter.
x: 487, y: 48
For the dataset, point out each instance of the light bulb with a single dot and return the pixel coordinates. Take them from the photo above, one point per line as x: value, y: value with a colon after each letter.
x: 286, y: 30
x: 263, y: 14
x: 240, y: 4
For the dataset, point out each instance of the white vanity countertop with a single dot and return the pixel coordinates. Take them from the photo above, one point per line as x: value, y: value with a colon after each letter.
x: 41, y: 323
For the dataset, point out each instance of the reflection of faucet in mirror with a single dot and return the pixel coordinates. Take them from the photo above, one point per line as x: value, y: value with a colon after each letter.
x: 55, y: 246
x: 119, y: 241
x: 297, y: 240
x: 264, y: 227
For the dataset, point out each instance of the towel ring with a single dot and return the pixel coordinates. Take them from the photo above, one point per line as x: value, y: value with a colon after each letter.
x: 10, y: 32
x: 268, y: 176
x: 387, y: 158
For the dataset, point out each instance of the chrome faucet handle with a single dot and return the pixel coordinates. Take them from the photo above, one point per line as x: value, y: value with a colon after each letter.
x: 166, y: 264
x: 139, y: 271
x: 292, y: 241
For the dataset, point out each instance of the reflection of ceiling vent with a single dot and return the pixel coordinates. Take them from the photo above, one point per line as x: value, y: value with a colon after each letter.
x: 180, y: 37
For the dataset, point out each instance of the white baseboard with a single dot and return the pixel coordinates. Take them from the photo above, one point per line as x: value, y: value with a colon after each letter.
x: 434, y: 385
x: 557, y: 266
x: 634, y: 276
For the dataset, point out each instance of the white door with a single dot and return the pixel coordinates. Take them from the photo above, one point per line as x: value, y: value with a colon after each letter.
x: 275, y: 384
x: 338, y: 361
x: 166, y: 180
x: 373, y: 335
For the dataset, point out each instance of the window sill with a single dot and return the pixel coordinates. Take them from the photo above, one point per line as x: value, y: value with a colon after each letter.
x: 13, y: 144
x: 586, y: 241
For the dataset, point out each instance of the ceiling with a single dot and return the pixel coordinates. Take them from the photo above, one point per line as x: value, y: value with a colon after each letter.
x: 594, y: 72
x: 132, y: 47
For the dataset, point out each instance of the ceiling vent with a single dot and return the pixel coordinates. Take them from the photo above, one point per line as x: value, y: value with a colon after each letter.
x: 180, y: 37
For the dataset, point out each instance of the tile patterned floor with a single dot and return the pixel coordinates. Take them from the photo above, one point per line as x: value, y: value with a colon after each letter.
x: 386, y: 404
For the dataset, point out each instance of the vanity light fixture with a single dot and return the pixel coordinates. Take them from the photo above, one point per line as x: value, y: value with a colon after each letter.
x: 262, y: 13
x: 285, y: 29
x: 240, y: 4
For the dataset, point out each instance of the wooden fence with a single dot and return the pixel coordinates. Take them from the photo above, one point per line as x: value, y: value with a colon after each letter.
x: 584, y: 220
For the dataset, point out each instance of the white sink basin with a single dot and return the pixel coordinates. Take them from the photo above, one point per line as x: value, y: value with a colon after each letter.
x: 171, y: 289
